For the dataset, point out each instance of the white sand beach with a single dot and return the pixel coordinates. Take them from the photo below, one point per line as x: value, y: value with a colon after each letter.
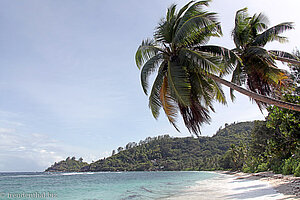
x: 240, y: 186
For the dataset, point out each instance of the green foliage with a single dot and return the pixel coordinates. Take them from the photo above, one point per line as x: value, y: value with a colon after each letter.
x: 262, y: 167
x: 246, y: 170
x: 285, y: 140
x: 164, y: 153
x: 168, y: 154
x: 297, y: 171
x: 258, y: 73
x: 274, y: 144
x: 290, y: 165
x: 251, y: 164
x: 233, y: 158
x: 68, y: 165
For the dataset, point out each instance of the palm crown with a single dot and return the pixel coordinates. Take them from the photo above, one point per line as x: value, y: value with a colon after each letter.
x: 183, y: 61
x: 258, y: 71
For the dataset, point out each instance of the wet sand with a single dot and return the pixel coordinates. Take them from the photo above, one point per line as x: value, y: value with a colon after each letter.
x: 238, y: 186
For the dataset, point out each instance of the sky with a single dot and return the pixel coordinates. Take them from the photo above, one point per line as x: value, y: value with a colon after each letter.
x: 69, y: 85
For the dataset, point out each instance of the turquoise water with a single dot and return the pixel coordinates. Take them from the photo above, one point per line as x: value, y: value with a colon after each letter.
x: 97, y: 186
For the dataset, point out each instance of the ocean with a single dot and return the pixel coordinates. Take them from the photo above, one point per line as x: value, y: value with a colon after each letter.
x: 98, y: 185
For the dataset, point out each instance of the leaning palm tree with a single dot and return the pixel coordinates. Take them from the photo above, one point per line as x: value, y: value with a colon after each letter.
x: 258, y: 70
x: 189, y: 72
x: 184, y: 64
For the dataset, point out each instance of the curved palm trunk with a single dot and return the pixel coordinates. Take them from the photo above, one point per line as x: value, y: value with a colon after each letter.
x: 256, y: 96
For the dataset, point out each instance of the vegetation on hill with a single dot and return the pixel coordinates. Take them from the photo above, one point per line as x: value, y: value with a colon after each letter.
x: 257, y: 146
x: 167, y: 153
x: 68, y: 165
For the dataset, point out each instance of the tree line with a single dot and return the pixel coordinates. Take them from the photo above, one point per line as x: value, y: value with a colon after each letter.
x: 164, y: 153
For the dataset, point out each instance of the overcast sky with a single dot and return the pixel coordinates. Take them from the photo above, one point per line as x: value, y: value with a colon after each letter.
x: 69, y: 85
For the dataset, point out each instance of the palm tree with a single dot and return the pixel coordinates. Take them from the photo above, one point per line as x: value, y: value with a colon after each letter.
x: 182, y: 82
x: 189, y: 72
x: 258, y: 70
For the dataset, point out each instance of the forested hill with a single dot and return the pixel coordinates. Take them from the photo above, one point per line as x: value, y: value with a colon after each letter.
x: 68, y: 165
x: 167, y: 153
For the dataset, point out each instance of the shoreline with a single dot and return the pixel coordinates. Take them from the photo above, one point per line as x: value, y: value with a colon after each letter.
x: 287, y: 185
x: 238, y: 185
x: 226, y: 185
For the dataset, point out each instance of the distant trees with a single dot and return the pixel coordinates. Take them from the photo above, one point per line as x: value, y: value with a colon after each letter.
x: 131, y: 145
x: 68, y: 165
x: 166, y: 153
x: 273, y: 144
x: 120, y: 149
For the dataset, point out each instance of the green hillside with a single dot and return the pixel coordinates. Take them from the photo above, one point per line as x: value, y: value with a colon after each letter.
x: 167, y: 153
x: 68, y: 165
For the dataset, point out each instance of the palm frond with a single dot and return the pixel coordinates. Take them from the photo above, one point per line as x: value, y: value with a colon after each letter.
x: 164, y: 32
x: 238, y: 78
x: 275, y: 75
x: 272, y: 34
x: 201, y: 61
x: 255, y: 55
x: 194, y: 19
x: 206, y: 90
x: 194, y: 116
x: 218, y: 93
x: 200, y: 35
x: 184, y: 8
x: 202, y: 89
x: 229, y: 58
x: 258, y: 23
x: 283, y: 54
x: 149, y: 67
x: 261, y: 71
x: 179, y: 83
x: 146, y: 50
x: 241, y: 29
x: 241, y: 14
x: 171, y: 12
x: 285, y: 57
x: 168, y: 103
x: 263, y: 77
x: 154, y: 98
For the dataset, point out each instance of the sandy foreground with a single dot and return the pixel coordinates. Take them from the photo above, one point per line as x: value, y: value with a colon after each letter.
x: 259, y: 186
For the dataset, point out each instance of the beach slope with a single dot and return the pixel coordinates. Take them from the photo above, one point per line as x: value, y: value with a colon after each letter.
x: 239, y: 186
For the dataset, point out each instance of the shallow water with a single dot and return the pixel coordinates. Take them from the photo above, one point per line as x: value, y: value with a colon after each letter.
x: 98, y: 185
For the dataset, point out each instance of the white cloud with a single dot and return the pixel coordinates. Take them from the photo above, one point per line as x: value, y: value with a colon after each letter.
x: 6, y: 130
x: 35, y: 152
x: 11, y: 123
